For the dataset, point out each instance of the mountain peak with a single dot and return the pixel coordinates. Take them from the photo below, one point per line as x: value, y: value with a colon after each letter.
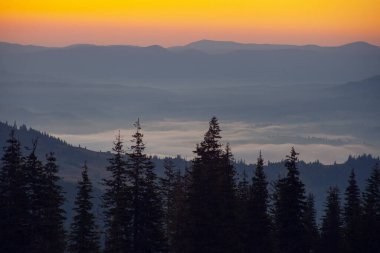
x: 360, y: 45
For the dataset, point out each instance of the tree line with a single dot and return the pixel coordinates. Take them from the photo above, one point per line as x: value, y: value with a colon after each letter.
x: 206, y: 207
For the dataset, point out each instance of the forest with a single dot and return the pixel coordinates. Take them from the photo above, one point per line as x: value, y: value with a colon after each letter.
x: 205, y: 207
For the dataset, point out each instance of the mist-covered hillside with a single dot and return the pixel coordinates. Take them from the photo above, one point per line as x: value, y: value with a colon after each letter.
x: 316, y: 176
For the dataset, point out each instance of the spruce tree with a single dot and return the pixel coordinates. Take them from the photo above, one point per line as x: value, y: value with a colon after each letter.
x: 371, y: 212
x: 84, y: 235
x: 289, y: 208
x: 36, y: 182
x: 331, y: 231
x: 115, y: 202
x: 310, y: 222
x: 14, y: 204
x: 260, y: 235
x: 211, y: 212
x: 168, y: 191
x: 54, y: 214
x: 228, y: 203
x: 145, y: 206
x: 243, y: 190
x: 352, y: 216
x: 178, y: 214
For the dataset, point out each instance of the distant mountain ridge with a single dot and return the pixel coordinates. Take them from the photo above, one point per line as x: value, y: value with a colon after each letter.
x: 218, y: 47
x: 198, y: 61
x: 204, y: 45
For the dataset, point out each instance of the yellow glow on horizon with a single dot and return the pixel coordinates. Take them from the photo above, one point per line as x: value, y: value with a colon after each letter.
x: 173, y: 22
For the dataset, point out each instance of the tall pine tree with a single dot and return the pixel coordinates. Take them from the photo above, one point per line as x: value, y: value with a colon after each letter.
x: 310, y: 222
x: 243, y: 190
x: 36, y: 194
x: 14, y: 204
x: 260, y: 233
x: 331, y: 231
x: 371, y: 212
x: 178, y: 219
x: 352, y: 216
x: 145, y: 206
x: 54, y: 214
x: 211, y: 209
x: 168, y: 191
x: 115, y: 202
x: 228, y: 203
x: 289, y: 208
x: 84, y: 235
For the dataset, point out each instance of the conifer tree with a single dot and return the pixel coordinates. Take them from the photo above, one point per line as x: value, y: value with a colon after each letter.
x: 289, y: 208
x: 84, y: 236
x: 14, y: 215
x: 52, y: 212
x: 178, y: 214
x: 260, y: 236
x: 115, y: 202
x: 371, y: 212
x: 146, y: 205
x: 36, y: 182
x: 243, y: 190
x: 310, y: 222
x: 168, y: 191
x: 331, y: 231
x: 228, y: 203
x: 352, y: 216
x: 210, y: 225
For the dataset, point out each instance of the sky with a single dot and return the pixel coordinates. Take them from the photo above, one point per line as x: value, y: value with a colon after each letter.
x: 177, y: 22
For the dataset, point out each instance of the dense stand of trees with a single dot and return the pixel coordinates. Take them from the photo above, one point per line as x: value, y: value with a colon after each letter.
x: 204, y: 208
x: 31, y: 213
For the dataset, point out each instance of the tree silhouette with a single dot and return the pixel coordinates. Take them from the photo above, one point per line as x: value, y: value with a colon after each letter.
x: 371, y: 212
x: 289, y: 208
x: 54, y: 214
x: 84, y: 235
x: 331, y: 231
x: 145, y: 206
x: 168, y: 189
x: 36, y: 183
x: 211, y: 197
x: 309, y: 219
x: 115, y: 202
x: 14, y: 203
x: 352, y: 216
x: 259, y: 223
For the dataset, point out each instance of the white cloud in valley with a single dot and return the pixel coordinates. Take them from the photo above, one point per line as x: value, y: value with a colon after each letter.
x: 173, y: 137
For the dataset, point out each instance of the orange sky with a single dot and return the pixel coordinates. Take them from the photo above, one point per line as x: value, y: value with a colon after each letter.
x: 173, y: 22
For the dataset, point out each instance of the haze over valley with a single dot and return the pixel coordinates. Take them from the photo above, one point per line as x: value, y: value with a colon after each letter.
x: 322, y: 100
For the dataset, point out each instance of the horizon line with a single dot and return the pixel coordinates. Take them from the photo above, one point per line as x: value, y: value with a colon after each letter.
x: 186, y: 44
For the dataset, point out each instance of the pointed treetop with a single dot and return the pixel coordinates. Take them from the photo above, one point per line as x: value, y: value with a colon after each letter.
x: 260, y: 160
x: 214, y: 129
x: 137, y: 124
x: 291, y: 162
x: 293, y: 154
